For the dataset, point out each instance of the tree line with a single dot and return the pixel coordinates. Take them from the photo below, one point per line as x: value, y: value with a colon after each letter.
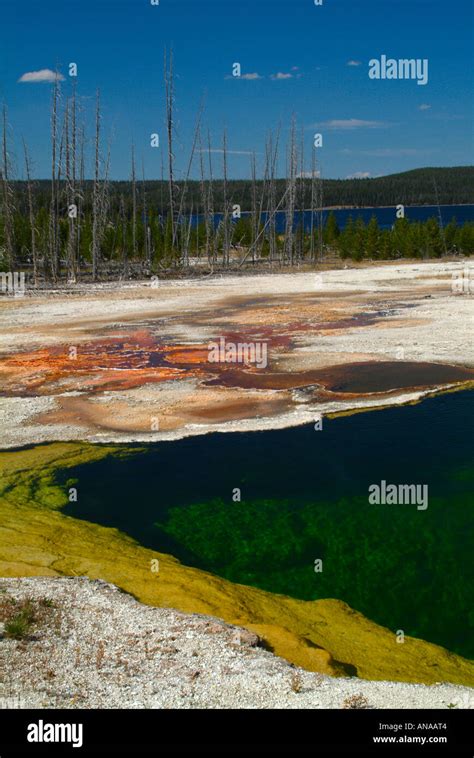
x: 405, y: 239
x: 424, y: 186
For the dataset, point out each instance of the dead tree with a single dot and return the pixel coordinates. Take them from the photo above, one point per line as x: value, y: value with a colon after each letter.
x: 31, y: 214
x: 162, y: 184
x: 123, y: 220
x: 254, y: 221
x: 313, y: 194
x: 61, y: 189
x: 441, y: 225
x: 134, y: 206
x: 292, y: 163
x: 104, y: 199
x: 204, y: 199
x: 96, y: 195
x: 146, y: 228
x: 184, y: 188
x: 53, y: 213
x: 71, y: 159
x: 301, y: 201
x: 169, y: 93
x: 210, y: 204
x: 67, y: 177
x: 319, y: 206
x: 80, y: 199
x: 7, y: 198
x: 272, y: 197
x: 262, y: 231
x: 264, y: 193
x: 99, y: 196
x: 225, y: 217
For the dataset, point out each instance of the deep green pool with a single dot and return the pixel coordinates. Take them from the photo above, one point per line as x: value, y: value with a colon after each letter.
x: 305, y: 497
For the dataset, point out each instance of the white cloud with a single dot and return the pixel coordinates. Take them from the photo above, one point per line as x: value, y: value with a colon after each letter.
x: 360, y: 175
x: 229, y: 152
x: 354, y: 63
x: 249, y: 77
x: 308, y: 174
x: 424, y: 107
x: 44, y: 75
x: 352, y: 123
x: 281, y: 75
x: 387, y: 152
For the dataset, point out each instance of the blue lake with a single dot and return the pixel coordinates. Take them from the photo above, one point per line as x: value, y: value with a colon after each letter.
x: 386, y: 216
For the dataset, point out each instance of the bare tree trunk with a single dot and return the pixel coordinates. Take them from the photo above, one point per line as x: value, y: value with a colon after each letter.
x: 263, y: 197
x: 7, y: 198
x: 31, y: 212
x: 169, y: 92
x: 104, y: 200
x: 80, y: 201
x: 319, y: 202
x: 301, y: 202
x: 225, y: 218
x: 95, y: 195
x: 204, y: 197
x: 272, y: 198
x: 123, y: 219
x: 187, y: 237
x: 291, y: 192
x: 441, y: 225
x: 145, y: 221
x: 253, y: 216
x: 184, y: 189
x: 71, y: 153
x: 53, y: 221
x: 210, y: 204
x: 68, y: 190
x: 313, y: 177
x: 134, y: 206
x: 162, y: 184
x: 59, y: 191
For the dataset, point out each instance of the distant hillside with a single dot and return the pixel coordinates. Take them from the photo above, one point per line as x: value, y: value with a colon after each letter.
x: 422, y: 186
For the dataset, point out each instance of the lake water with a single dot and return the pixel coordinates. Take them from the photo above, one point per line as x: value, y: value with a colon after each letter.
x: 385, y: 216
x: 304, y: 497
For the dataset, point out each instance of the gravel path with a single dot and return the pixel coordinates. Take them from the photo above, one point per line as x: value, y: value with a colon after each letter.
x: 89, y: 645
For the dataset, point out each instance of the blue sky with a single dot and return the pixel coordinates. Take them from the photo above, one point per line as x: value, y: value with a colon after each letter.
x: 308, y: 60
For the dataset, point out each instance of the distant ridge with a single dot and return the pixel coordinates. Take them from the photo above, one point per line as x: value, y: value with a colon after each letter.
x: 454, y: 186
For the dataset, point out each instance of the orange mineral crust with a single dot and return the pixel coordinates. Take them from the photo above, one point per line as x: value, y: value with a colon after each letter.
x: 133, y: 362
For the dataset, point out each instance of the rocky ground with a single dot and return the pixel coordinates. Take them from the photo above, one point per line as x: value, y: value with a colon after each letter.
x: 85, y: 644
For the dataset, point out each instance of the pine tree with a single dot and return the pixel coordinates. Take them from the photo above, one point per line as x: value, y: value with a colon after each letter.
x: 372, y: 239
x: 331, y: 229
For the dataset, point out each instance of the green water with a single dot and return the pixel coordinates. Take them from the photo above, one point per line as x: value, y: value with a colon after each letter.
x: 304, y: 497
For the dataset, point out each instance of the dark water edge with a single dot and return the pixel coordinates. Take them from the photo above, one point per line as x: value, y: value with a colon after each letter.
x: 304, y: 496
